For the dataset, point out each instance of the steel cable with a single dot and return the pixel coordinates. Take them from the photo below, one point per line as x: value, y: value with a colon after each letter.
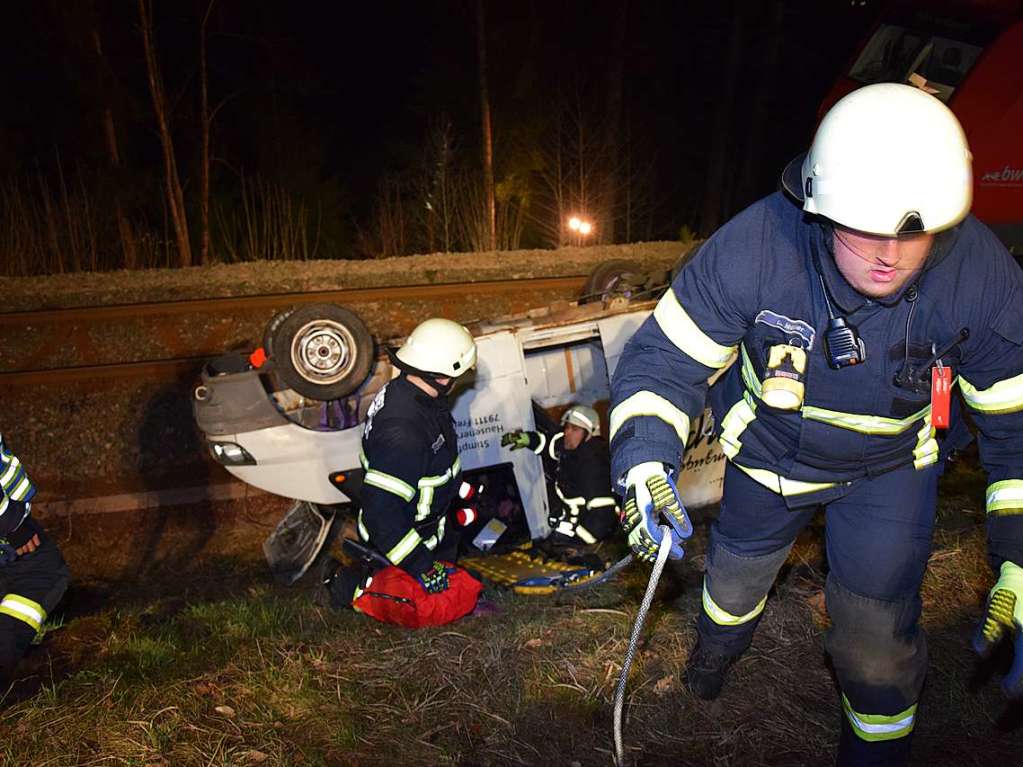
x: 637, y: 628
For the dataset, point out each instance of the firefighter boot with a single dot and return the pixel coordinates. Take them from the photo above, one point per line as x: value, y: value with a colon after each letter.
x: 338, y: 584
x: 706, y: 671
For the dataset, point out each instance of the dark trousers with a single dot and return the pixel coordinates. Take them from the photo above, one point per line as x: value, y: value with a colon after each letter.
x: 878, y: 539
x: 30, y: 587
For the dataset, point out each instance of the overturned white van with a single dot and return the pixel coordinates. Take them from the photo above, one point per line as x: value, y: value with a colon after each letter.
x: 270, y: 425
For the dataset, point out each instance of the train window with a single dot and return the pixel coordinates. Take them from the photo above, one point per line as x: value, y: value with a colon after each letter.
x: 898, y: 54
x: 888, y: 56
x: 944, y: 63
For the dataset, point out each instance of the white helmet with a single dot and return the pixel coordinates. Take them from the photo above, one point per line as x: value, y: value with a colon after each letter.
x: 583, y: 417
x: 438, y: 346
x: 887, y: 159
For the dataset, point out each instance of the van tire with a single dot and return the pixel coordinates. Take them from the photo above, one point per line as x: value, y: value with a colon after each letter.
x: 322, y: 351
x: 600, y: 285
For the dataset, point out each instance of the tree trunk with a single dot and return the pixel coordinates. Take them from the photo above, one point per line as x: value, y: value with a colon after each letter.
x: 748, y: 188
x: 126, y: 233
x: 204, y: 160
x: 716, y: 192
x: 488, y: 145
x: 612, y: 127
x: 175, y: 195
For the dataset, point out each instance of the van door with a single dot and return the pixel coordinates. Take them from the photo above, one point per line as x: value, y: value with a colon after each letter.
x: 497, y: 402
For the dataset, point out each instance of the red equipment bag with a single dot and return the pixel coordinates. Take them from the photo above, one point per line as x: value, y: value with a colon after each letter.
x: 394, y: 596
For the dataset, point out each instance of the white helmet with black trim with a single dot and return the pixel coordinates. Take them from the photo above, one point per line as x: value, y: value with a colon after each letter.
x: 439, y: 347
x: 583, y: 417
x: 887, y: 159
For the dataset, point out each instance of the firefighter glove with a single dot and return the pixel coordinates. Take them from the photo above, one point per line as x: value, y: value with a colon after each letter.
x: 652, y: 500
x: 516, y: 440
x: 1003, y: 618
x: 435, y: 579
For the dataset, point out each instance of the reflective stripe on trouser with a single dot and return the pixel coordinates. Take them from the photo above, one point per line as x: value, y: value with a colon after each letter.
x: 749, y: 542
x: 592, y: 525
x: 880, y: 658
x: 879, y: 540
x: 878, y: 535
x: 23, y: 609
x: 734, y: 594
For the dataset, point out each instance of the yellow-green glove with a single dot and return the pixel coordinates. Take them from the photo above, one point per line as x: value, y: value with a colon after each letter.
x: 516, y: 440
x: 1003, y: 618
x: 652, y: 500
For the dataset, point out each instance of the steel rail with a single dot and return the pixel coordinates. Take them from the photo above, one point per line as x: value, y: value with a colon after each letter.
x: 159, y: 370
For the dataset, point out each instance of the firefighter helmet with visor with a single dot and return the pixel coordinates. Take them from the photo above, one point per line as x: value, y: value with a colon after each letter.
x: 887, y: 159
x: 439, y: 347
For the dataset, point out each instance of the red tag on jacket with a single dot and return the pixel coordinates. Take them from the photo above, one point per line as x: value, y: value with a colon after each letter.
x: 941, y: 396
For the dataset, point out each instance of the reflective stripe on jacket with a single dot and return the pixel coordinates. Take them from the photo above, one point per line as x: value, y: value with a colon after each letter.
x: 16, y: 490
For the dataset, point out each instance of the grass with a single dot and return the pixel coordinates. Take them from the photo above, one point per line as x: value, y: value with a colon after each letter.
x: 260, y: 675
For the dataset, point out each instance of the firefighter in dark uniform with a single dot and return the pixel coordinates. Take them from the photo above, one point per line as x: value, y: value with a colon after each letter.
x: 578, y: 469
x: 410, y: 457
x: 33, y: 574
x: 852, y: 300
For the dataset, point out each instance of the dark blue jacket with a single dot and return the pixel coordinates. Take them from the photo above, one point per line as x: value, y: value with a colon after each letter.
x: 753, y: 285
x: 410, y: 454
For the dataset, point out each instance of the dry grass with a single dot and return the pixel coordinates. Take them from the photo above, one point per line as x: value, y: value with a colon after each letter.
x: 262, y: 676
x: 73, y: 229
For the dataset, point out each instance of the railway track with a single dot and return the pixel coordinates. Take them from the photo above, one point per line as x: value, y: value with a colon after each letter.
x: 67, y: 346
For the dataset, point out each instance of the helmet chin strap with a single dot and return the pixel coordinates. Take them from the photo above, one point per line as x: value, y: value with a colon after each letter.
x: 442, y: 390
x: 430, y: 379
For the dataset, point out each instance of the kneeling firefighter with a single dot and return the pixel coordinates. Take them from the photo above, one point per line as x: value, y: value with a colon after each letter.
x: 578, y: 470
x: 412, y: 474
x: 33, y: 574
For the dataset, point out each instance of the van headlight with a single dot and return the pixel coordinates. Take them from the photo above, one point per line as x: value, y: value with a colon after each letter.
x: 230, y: 454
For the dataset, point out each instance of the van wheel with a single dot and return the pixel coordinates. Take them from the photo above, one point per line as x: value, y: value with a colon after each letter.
x: 609, y: 279
x: 322, y: 351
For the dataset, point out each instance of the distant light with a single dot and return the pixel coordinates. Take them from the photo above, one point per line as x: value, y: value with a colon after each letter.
x: 585, y: 227
x: 574, y: 224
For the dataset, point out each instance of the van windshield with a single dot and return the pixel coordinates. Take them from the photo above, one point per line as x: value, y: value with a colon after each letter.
x: 931, y: 62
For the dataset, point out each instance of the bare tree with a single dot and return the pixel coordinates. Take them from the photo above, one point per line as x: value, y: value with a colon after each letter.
x: 389, y: 235
x: 436, y: 186
x: 769, y: 57
x: 206, y: 121
x: 574, y: 175
x: 718, y: 185
x: 126, y: 232
x: 613, y: 118
x: 488, y: 139
x: 175, y: 195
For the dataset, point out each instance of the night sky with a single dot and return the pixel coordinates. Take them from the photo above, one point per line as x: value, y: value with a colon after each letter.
x: 331, y: 100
